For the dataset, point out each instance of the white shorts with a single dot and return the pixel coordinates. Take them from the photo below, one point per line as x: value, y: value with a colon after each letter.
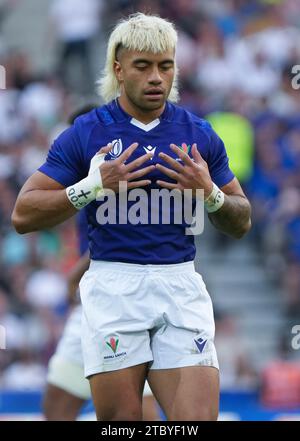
x: 65, y: 368
x: 156, y: 314
x: 69, y: 377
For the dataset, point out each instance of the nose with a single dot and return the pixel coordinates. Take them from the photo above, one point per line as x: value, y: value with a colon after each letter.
x: 155, y: 77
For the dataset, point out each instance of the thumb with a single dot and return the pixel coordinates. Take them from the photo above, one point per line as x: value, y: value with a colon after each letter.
x: 98, y: 159
x: 105, y: 149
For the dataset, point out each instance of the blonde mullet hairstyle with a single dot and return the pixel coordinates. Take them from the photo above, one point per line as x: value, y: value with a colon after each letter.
x: 139, y: 32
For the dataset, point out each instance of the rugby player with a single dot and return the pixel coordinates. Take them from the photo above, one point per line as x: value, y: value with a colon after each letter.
x: 146, y: 312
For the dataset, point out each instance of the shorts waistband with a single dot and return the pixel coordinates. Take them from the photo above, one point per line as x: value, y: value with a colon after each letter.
x: 185, y: 267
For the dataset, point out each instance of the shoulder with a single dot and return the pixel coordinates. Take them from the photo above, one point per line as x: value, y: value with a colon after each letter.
x: 86, y: 121
x: 84, y: 125
x: 180, y: 115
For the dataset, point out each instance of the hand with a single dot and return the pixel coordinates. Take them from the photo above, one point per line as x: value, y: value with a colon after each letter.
x: 192, y: 175
x: 112, y: 172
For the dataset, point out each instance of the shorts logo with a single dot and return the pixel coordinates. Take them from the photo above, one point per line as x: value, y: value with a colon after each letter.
x: 113, y: 344
x: 113, y: 354
x: 200, y: 343
x: 117, y: 148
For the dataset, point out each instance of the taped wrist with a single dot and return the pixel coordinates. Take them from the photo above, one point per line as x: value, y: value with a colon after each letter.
x: 89, y: 188
x: 215, y: 200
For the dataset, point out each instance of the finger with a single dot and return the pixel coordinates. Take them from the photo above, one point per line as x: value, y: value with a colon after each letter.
x: 167, y: 185
x: 127, y: 153
x: 171, y: 173
x: 182, y: 155
x: 136, y: 184
x: 140, y: 173
x: 138, y: 162
x: 105, y: 149
x: 172, y: 162
x: 196, y: 154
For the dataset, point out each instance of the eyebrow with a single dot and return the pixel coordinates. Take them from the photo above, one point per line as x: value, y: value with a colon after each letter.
x: 143, y: 60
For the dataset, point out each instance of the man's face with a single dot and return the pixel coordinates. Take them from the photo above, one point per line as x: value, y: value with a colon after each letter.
x: 145, y: 78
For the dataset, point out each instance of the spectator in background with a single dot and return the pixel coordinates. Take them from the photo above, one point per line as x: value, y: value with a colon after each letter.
x: 25, y: 374
x: 236, y: 371
x: 280, y: 380
x: 76, y: 23
x: 238, y: 136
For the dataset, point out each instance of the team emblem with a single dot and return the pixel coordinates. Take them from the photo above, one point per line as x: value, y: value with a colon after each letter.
x: 117, y: 148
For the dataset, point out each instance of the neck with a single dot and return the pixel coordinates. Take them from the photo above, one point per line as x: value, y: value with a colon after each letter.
x: 144, y: 116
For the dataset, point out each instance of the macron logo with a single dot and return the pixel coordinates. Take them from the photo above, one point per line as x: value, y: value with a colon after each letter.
x: 150, y: 149
x: 200, y: 343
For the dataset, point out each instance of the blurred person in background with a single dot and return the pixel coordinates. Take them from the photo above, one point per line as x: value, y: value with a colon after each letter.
x: 280, y: 379
x: 236, y: 370
x: 76, y: 23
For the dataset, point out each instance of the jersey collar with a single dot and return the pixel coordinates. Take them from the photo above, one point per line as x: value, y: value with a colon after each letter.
x: 120, y: 116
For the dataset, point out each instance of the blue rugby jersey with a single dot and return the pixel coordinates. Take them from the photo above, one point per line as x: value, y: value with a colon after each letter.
x: 69, y: 159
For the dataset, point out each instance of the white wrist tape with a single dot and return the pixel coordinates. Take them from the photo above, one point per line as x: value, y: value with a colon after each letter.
x: 89, y: 188
x: 215, y: 200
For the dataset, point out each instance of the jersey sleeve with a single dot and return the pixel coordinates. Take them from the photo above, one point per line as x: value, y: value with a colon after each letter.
x: 65, y: 161
x: 218, y: 162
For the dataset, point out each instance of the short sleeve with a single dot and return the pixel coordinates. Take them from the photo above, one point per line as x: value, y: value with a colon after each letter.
x: 65, y: 161
x: 218, y: 162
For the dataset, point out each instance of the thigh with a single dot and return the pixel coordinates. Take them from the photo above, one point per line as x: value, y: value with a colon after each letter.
x: 188, y: 393
x: 117, y: 395
x: 115, y: 319
x: 60, y: 405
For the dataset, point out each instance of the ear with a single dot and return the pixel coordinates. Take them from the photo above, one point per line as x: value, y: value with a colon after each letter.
x: 118, y: 71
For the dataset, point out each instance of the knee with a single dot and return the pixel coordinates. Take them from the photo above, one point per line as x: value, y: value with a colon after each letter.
x: 59, y: 410
x: 207, y: 414
x: 196, y: 414
x: 129, y: 413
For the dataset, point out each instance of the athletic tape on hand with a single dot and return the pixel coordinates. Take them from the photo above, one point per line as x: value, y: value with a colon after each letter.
x: 89, y: 188
x: 215, y: 200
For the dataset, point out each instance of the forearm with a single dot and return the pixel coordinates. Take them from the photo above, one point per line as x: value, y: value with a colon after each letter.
x: 233, y: 218
x: 40, y: 209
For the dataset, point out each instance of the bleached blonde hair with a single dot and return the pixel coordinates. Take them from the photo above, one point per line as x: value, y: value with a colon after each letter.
x: 139, y: 32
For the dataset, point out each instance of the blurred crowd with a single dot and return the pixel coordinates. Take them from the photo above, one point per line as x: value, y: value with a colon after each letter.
x: 236, y: 60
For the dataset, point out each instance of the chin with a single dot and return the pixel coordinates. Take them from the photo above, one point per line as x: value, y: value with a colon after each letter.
x: 154, y: 105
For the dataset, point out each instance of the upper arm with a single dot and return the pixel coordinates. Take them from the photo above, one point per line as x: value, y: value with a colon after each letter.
x: 218, y: 162
x: 233, y: 188
x: 66, y: 162
x: 40, y: 181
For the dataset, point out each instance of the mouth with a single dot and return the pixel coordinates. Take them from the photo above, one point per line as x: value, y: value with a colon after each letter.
x: 154, y: 94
